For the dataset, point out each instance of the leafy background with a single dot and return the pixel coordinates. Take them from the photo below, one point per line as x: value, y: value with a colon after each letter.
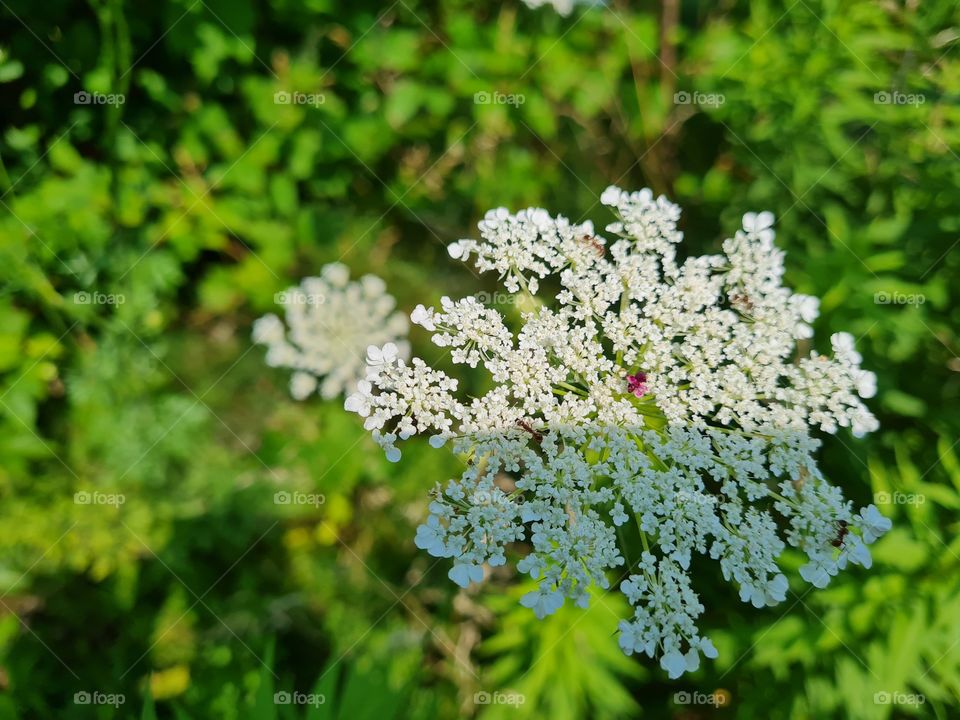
x: 200, y: 197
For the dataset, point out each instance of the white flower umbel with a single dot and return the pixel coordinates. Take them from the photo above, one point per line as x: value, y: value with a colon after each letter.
x: 643, y: 398
x: 330, y: 324
x: 562, y: 7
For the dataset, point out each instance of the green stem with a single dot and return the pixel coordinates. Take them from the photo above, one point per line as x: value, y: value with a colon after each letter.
x: 4, y: 177
x: 646, y: 543
x: 573, y: 388
x: 624, y: 303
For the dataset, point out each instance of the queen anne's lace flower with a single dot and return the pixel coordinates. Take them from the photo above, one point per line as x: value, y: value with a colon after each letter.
x: 332, y: 322
x: 561, y: 7
x: 651, y: 398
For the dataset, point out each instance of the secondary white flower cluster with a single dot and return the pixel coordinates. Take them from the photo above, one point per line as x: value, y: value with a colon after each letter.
x: 645, y: 402
x: 562, y: 7
x: 331, y: 323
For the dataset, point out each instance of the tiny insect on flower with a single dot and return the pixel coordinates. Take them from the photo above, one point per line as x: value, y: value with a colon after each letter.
x: 594, y: 243
x: 842, y: 530
x: 538, y: 436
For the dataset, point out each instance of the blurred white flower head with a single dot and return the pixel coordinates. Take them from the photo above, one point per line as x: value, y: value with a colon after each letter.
x: 330, y: 324
x: 646, y: 398
x: 562, y: 7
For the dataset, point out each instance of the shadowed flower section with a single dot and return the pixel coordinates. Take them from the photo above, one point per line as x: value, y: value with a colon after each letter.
x: 649, y: 398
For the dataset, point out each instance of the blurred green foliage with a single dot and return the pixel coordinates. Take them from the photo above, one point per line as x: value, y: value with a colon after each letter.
x: 139, y: 239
